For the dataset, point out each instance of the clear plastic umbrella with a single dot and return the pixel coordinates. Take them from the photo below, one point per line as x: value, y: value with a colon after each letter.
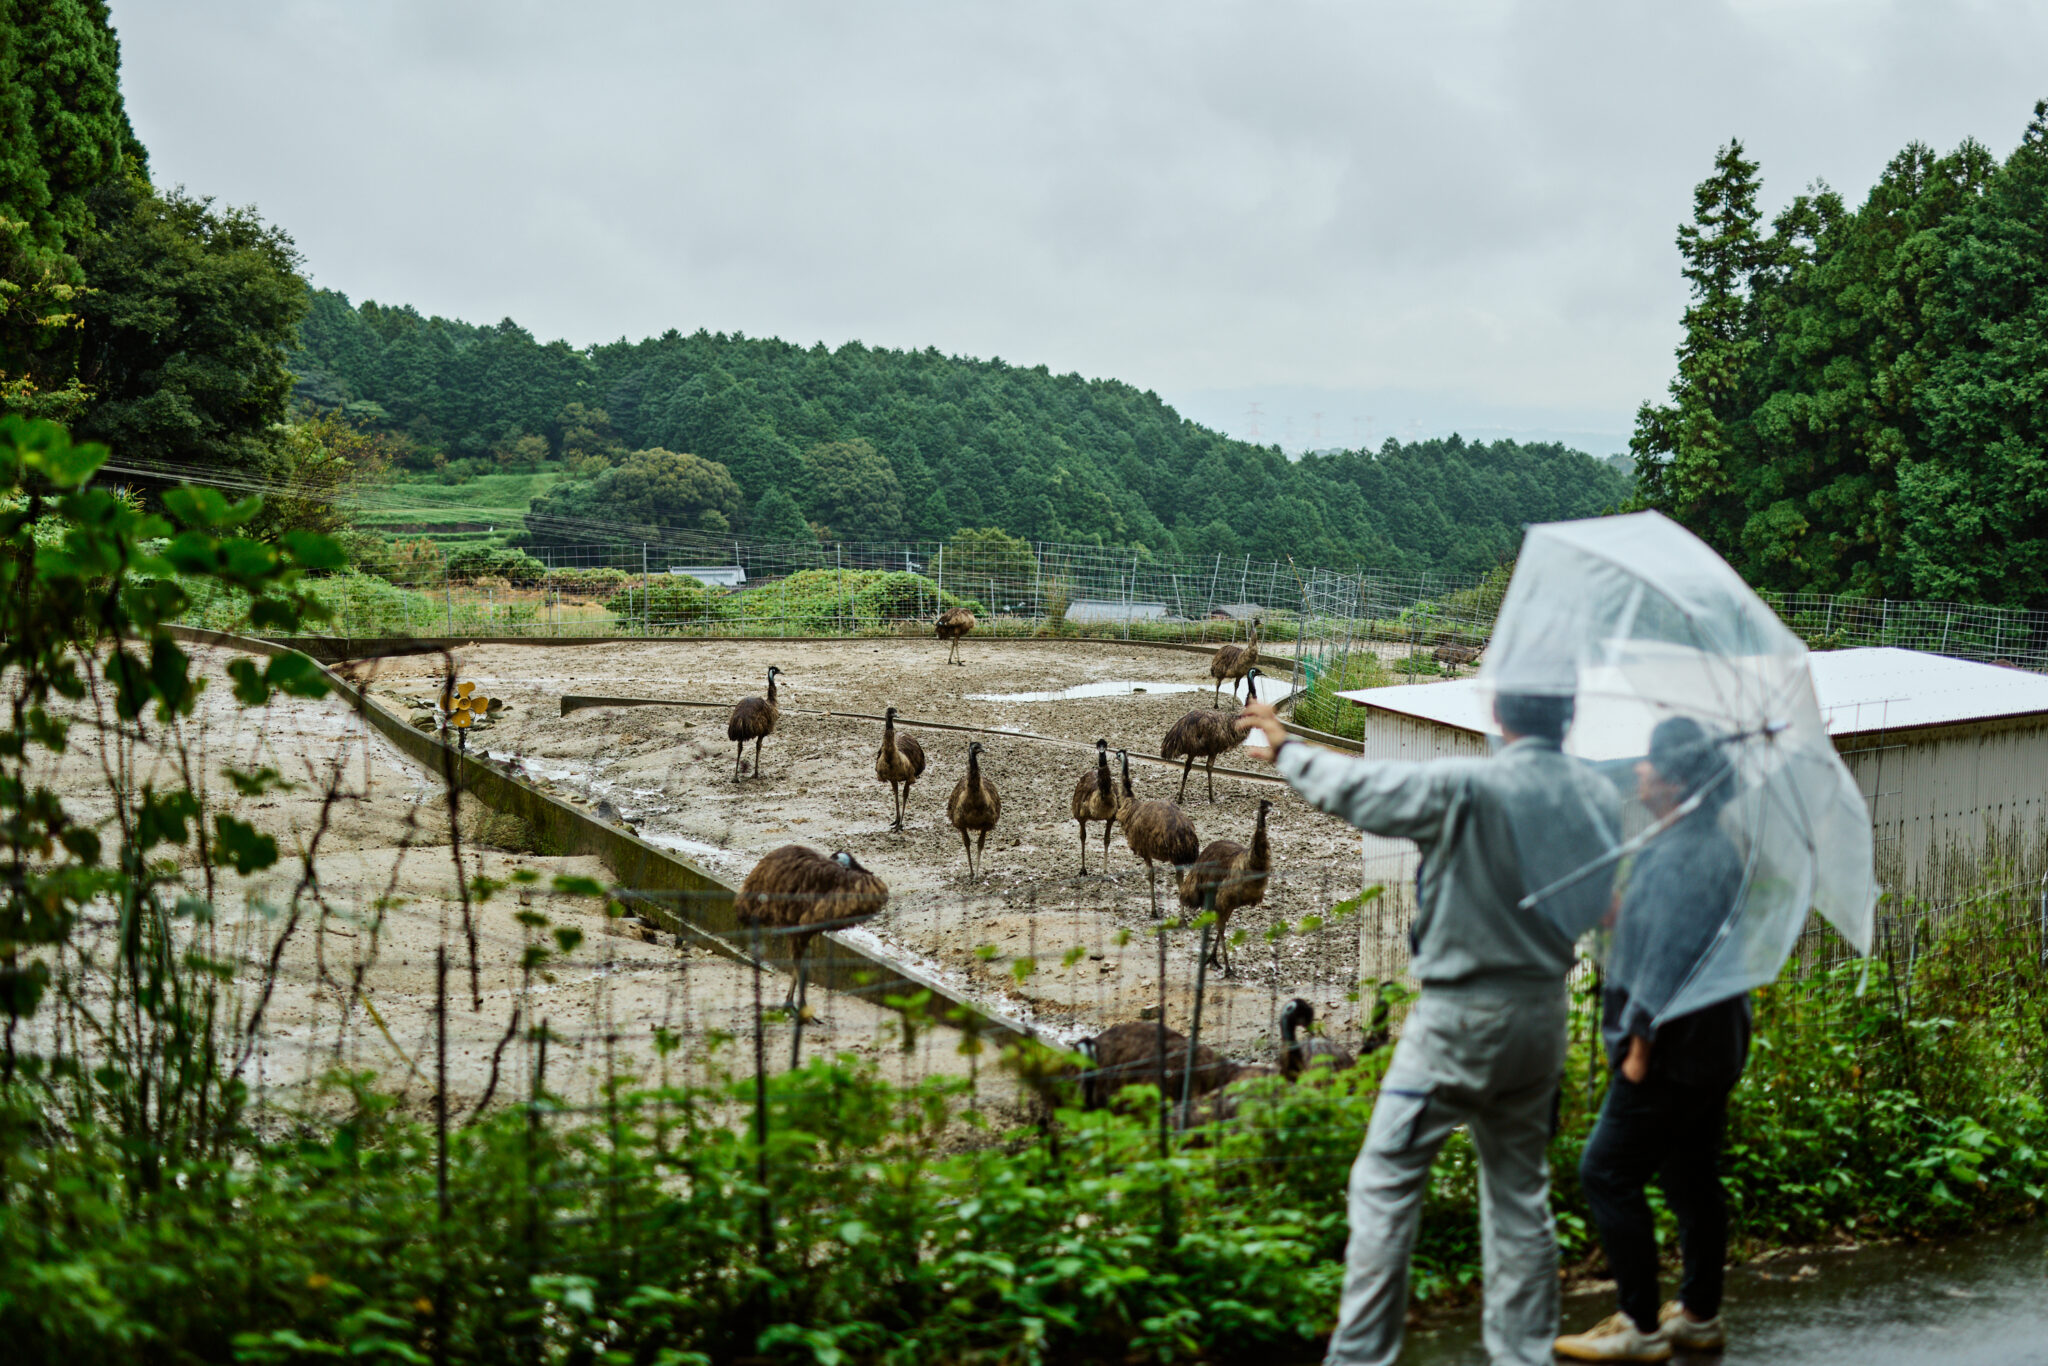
x: 1697, y: 703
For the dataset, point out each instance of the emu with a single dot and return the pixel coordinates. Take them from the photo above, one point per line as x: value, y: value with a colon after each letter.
x: 1298, y: 1055
x: 1128, y: 1054
x: 1095, y: 800
x: 953, y: 625
x: 1225, y: 879
x: 899, y: 763
x: 1157, y: 832
x: 1204, y: 735
x: 804, y: 893
x: 974, y: 808
x: 753, y: 718
x: 1454, y: 655
x: 1232, y: 662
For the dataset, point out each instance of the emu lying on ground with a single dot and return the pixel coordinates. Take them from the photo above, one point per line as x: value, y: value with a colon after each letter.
x: 1128, y: 1054
x: 1157, y: 832
x: 953, y: 625
x: 1225, y: 879
x: 803, y: 893
x: 974, y: 807
x: 1205, y: 735
x: 899, y: 763
x: 1095, y: 800
x: 1231, y: 662
x: 753, y: 718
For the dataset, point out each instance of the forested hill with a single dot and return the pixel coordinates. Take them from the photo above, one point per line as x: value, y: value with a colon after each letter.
x: 876, y: 444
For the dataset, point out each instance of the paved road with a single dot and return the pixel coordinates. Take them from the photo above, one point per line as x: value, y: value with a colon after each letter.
x: 1979, y: 1301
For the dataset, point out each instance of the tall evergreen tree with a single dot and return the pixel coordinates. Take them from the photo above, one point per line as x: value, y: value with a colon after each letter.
x: 1687, y: 451
x: 1975, y: 501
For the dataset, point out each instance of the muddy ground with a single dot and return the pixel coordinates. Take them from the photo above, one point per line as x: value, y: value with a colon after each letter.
x: 356, y: 983
x: 670, y: 770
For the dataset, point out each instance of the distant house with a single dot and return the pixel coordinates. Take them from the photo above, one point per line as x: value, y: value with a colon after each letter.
x: 712, y: 575
x: 1111, y: 609
x: 1235, y: 611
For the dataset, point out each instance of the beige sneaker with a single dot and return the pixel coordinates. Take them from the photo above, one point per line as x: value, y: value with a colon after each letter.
x: 1615, y: 1338
x: 1690, y: 1335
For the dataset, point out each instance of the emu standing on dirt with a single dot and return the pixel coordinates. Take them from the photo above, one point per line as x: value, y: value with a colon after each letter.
x: 1232, y: 662
x: 899, y: 763
x: 1095, y: 800
x: 1128, y: 1055
x: 803, y: 893
x: 1204, y: 735
x: 753, y: 718
x: 974, y: 807
x: 953, y: 625
x: 1157, y: 831
x: 1298, y: 1055
x: 1227, y: 878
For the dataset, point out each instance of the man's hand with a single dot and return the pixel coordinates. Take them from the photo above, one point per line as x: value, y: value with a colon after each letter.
x: 1636, y: 1065
x: 1262, y: 715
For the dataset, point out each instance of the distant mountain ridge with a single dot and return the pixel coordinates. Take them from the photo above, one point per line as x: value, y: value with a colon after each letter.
x: 955, y: 442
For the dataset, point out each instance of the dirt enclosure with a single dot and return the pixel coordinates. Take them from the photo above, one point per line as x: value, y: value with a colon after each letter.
x: 1091, y: 957
x: 354, y: 946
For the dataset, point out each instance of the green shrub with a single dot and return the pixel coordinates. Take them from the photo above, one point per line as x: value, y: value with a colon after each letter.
x: 677, y: 602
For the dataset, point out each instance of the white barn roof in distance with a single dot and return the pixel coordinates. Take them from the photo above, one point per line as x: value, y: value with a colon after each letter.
x: 1860, y: 692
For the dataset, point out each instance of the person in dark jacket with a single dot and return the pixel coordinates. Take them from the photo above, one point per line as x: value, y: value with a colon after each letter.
x: 1667, y: 1104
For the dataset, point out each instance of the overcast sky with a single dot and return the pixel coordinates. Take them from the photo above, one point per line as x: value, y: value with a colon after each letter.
x: 1405, y: 217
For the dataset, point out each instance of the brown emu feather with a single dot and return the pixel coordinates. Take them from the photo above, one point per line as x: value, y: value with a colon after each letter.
x: 1128, y: 1055
x: 803, y: 893
x: 974, y: 808
x: 899, y: 763
x: 953, y: 626
x: 1205, y: 735
x: 1227, y: 878
x: 1231, y: 662
x: 1095, y: 800
x: 1157, y: 832
x: 753, y: 718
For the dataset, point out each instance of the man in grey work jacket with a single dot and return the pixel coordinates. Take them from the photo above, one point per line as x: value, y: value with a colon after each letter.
x: 1485, y: 1044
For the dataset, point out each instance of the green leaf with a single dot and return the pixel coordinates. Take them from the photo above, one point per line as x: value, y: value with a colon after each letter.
x: 296, y: 676
x: 244, y: 846
x: 250, y: 688
x: 315, y: 551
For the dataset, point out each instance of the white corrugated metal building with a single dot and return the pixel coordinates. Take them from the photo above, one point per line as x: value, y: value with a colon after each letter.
x: 1944, y: 750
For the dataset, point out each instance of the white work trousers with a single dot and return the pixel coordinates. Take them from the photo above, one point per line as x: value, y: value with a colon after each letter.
x: 1489, y: 1056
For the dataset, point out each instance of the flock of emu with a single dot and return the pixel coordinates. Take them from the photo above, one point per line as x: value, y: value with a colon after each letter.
x: 800, y: 892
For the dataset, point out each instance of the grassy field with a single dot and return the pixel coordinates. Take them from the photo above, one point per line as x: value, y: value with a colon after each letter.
x: 480, y: 511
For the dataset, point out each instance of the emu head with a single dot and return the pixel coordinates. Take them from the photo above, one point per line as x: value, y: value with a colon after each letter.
x: 847, y: 861
x: 1297, y: 1015
x: 772, y: 671
x: 976, y: 747
x: 889, y: 714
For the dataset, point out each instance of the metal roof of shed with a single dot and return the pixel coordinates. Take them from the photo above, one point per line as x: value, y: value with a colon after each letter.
x: 1859, y: 691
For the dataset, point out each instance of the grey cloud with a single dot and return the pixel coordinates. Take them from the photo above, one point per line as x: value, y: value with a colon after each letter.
x: 1452, y: 208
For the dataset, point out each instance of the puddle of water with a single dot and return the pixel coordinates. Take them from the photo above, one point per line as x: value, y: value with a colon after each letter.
x: 694, y: 848
x: 1119, y: 687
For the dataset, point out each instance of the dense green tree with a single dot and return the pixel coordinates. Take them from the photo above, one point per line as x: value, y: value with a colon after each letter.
x: 648, y: 496
x: 1857, y: 407
x: 777, y: 519
x: 63, y: 130
x: 851, y: 489
x: 191, y: 313
x: 1975, y: 496
x: 968, y: 443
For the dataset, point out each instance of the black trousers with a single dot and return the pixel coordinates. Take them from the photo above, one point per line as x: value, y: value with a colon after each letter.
x: 1671, y: 1131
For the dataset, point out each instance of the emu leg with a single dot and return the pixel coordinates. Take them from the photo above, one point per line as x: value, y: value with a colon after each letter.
x: 896, y: 805
x: 981, y: 851
x: 757, y: 755
x: 968, y: 844
x: 1107, y: 827
x: 739, y: 762
x: 1211, y: 769
x: 1084, y: 847
x: 1152, y: 873
x: 1185, y: 769
x: 796, y: 1038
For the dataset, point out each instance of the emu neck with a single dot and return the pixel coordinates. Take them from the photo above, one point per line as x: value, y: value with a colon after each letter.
x: 1261, y: 851
x: 771, y: 690
x: 889, y: 736
x: 1102, y: 787
x: 974, y: 773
